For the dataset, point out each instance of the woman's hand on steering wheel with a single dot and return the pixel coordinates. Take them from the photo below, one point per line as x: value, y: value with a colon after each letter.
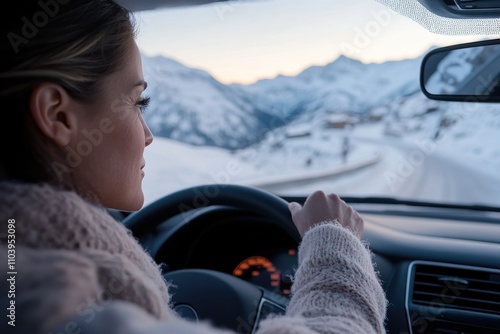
x: 320, y: 207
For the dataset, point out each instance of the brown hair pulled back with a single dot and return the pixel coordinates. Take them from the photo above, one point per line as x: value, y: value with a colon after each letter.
x: 73, y: 43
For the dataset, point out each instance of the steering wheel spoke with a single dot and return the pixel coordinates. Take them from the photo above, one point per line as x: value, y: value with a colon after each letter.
x: 228, y: 302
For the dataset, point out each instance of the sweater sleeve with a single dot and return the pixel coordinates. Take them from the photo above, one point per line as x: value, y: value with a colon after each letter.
x: 336, y: 288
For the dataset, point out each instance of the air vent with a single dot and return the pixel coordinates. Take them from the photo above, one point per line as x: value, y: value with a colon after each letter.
x: 456, y: 288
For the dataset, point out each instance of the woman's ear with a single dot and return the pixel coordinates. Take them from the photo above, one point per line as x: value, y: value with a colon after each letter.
x: 50, y: 107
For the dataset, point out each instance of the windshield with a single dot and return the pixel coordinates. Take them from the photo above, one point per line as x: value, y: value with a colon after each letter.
x: 295, y: 96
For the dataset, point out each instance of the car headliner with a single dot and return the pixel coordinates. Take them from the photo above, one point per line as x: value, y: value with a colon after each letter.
x: 436, y: 16
x: 138, y: 5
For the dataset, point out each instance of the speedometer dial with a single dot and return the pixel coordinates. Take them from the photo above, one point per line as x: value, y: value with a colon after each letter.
x: 260, y: 271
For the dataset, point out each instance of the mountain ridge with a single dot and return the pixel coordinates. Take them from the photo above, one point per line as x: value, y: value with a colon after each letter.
x: 190, y: 105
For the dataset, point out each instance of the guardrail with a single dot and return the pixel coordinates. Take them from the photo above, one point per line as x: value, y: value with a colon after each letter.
x: 272, y: 182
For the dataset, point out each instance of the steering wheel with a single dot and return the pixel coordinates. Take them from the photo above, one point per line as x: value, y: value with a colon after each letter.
x: 200, y: 294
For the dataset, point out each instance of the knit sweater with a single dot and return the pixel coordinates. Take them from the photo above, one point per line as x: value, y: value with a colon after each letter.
x: 72, y: 256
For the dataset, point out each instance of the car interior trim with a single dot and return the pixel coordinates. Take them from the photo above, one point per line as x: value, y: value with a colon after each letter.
x: 409, y: 281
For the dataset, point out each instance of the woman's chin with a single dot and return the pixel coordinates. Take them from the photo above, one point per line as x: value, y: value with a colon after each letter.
x: 134, y: 203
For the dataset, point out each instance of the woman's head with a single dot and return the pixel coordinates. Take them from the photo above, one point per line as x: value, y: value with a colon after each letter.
x: 70, y: 90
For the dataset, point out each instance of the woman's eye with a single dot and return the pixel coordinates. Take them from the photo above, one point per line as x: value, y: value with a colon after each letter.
x: 143, y: 103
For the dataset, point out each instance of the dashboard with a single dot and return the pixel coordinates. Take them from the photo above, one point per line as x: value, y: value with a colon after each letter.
x: 440, y: 268
x: 233, y: 242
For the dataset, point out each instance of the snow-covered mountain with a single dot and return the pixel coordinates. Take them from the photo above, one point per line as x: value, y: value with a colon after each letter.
x: 343, y: 86
x: 189, y: 105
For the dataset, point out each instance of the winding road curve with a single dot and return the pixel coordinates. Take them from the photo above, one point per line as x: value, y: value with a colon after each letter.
x: 415, y: 171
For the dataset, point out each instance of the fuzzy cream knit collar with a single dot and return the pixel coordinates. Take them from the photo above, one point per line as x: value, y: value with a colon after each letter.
x: 48, y: 218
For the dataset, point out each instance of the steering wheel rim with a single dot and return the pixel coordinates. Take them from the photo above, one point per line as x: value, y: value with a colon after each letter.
x: 254, y: 302
x: 182, y: 201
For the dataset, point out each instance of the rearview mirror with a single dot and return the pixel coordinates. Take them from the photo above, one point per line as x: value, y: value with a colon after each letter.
x: 467, y: 72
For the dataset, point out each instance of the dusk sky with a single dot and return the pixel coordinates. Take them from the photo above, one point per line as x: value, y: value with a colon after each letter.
x: 244, y: 41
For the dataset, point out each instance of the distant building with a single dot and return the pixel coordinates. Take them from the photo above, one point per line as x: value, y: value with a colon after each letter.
x: 377, y: 114
x: 340, y: 121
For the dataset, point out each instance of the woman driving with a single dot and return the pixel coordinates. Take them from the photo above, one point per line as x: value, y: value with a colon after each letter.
x: 72, y: 143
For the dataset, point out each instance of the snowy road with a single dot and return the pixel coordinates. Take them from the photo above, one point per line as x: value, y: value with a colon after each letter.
x: 418, y: 171
x: 407, y: 170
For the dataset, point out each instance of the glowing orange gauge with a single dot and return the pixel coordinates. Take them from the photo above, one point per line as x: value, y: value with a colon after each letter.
x: 260, y: 271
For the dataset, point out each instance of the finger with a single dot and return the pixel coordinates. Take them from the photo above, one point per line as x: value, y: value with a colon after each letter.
x: 335, y: 197
x: 294, y: 207
x: 315, y: 197
x: 337, y: 200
